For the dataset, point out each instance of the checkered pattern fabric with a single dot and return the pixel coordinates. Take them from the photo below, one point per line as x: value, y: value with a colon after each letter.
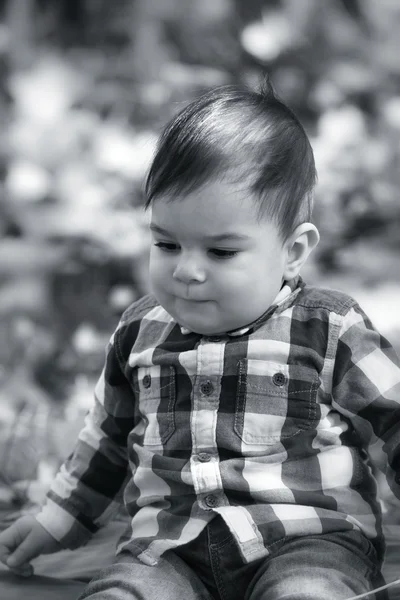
x: 268, y: 427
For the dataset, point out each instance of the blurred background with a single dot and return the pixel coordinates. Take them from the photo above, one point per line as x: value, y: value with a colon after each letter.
x: 85, y: 88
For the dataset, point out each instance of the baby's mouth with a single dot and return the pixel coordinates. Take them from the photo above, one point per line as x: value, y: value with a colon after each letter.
x: 188, y: 297
x: 194, y: 300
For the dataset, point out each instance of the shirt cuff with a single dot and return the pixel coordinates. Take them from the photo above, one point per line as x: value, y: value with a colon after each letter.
x: 62, y: 526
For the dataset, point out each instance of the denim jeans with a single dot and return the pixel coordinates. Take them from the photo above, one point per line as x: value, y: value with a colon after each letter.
x: 333, y: 566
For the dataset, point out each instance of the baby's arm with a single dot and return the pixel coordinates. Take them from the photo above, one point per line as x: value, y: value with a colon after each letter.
x: 84, y: 490
x: 366, y: 388
x: 83, y: 494
x: 24, y: 540
x: 87, y: 489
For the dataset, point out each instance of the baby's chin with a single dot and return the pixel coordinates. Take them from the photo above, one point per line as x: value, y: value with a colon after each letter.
x: 204, y: 317
x: 204, y: 328
x: 199, y: 326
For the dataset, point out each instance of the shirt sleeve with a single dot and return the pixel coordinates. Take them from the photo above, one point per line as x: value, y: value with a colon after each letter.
x: 366, y: 389
x: 88, y: 488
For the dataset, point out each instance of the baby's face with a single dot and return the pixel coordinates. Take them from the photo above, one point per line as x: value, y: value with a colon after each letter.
x: 213, y: 265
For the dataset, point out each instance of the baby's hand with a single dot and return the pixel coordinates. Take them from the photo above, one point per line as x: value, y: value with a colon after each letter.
x: 24, y: 540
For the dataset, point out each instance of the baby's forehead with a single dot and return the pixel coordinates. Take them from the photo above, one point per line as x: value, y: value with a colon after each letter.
x: 216, y: 208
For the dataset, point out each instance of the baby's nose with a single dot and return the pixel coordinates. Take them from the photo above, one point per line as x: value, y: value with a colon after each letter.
x: 189, y: 270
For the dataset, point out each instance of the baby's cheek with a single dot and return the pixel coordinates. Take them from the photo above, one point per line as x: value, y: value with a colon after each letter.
x: 157, y: 272
x: 156, y: 283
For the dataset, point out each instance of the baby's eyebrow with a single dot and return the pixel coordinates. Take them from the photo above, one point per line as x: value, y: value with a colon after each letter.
x: 235, y: 237
x: 210, y: 238
x: 158, y: 229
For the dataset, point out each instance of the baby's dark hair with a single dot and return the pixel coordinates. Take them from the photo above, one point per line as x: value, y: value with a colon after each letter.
x: 250, y: 138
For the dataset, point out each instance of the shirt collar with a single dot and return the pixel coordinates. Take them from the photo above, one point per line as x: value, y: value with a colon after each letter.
x: 285, y: 297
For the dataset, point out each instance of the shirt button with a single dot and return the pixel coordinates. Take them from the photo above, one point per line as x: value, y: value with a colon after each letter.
x: 146, y: 381
x: 211, y: 501
x: 279, y: 379
x: 207, y: 388
x: 204, y: 457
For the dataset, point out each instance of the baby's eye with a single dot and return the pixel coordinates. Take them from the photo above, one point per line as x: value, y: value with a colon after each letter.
x: 167, y: 246
x: 222, y: 253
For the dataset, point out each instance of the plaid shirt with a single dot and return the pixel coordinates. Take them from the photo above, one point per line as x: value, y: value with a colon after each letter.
x: 268, y: 426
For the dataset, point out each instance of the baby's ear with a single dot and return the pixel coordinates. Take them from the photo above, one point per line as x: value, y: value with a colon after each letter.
x: 299, y: 246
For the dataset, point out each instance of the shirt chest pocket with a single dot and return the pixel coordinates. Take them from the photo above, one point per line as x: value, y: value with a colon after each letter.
x: 155, y: 394
x: 274, y: 401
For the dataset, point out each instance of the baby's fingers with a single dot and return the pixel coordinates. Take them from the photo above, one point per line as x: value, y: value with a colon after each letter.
x: 18, y: 561
x: 8, y: 543
x: 7, y: 546
x: 25, y: 570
